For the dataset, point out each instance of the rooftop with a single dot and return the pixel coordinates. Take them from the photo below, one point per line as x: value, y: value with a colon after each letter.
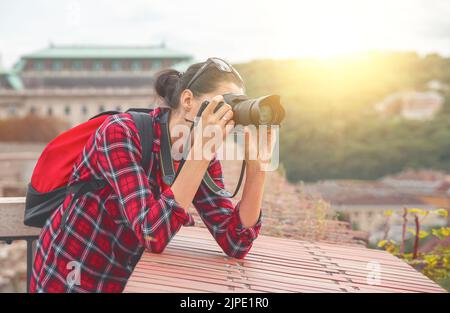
x: 346, y: 192
x: 70, y: 75
x: 105, y: 52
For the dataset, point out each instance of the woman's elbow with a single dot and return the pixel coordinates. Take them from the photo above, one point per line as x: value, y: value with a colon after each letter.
x: 237, y: 253
x: 154, y: 243
x: 157, y: 247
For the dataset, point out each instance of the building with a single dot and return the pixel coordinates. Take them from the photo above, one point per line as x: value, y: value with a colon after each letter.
x: 411, y: 105
x: 436, y: 85
x: 77, y: 82
x: 365, y: 203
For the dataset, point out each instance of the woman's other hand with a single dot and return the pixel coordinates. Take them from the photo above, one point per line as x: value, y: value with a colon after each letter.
x: 259, y: 145
x: 211, y: 131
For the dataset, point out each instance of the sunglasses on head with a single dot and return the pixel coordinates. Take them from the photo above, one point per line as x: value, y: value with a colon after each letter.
x: 220, y: 64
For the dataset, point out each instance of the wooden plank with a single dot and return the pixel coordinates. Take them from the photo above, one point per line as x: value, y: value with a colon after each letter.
x: 193, y: 262
x: 273, y: 265
x: 11, y: 218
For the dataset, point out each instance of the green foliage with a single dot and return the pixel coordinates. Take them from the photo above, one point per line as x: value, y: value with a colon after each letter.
x: 331, y: 130
x: 436, y: 263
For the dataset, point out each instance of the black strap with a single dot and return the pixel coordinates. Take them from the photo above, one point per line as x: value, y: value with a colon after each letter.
x: 141, y: 110
x: 220, y: 191
x: 105, y: 113
x: 168, y: 170
x: 165, y: 153
x: 144, y: 125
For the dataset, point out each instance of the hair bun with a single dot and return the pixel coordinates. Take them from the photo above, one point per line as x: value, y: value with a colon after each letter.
x: 166, y: 83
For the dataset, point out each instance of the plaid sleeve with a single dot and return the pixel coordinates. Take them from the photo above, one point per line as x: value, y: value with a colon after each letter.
x: 222, y: 218
x: 154, y: 220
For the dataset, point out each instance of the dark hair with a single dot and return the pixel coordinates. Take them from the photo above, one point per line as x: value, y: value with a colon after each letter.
x: 170, y: 83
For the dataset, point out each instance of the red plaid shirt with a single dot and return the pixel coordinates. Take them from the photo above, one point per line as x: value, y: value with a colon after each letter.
x: 107, y: 230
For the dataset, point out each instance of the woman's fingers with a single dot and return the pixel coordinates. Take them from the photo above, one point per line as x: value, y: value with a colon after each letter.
x: 222, y: 111
x: 222, y: 115
x: 209, y: 110
x: 226, y: 117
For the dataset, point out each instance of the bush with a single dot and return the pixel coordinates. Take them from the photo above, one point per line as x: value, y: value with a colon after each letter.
x: 31, y: 128
x: 436, y: 263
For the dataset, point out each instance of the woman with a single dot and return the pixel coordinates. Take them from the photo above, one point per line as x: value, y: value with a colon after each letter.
x: 106, y: 231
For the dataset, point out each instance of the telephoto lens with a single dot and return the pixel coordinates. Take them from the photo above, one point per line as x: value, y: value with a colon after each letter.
x: 266, y: 110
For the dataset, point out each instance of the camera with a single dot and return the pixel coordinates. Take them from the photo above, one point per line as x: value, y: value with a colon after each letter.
x: 265, y: 110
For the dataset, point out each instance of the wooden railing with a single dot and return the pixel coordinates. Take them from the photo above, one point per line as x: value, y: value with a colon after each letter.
x: 12, y: 227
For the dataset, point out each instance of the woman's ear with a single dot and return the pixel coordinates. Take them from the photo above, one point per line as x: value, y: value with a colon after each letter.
x: 187, y: 100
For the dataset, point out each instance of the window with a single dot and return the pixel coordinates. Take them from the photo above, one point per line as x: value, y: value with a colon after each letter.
x: 67, y: 110
x: 38, y: 65
x: 32, y: 110
x: 116, y: 65
x: 118, y: 108
x: 156, y: 64
x: 136, y: 65
x: 57, y: 65
x: 77, y: 65
x: 98, y: 65
x: 101, y: 108
x: 84, y: 110
x: 49, y: 111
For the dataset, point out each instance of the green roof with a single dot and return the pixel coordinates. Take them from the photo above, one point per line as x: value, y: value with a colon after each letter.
x: 15, y: 81
x: 18, y: 67
x: 106, y: 52
x: 12, y: 77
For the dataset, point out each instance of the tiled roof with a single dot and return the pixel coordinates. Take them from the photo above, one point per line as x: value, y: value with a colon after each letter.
x: 193, y: 262
x: 419, y: 175
x: 290, y: 212
x: 342, y: 192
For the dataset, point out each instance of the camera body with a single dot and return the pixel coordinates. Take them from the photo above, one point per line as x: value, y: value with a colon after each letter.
x: 265, y: 110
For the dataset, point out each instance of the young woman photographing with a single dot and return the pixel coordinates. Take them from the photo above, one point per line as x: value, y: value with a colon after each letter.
x: 106, y: 231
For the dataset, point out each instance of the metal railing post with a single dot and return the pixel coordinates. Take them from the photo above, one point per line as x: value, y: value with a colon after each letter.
x: 30, y: 255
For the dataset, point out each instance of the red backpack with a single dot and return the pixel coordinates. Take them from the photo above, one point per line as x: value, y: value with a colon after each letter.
x: 48, y: 187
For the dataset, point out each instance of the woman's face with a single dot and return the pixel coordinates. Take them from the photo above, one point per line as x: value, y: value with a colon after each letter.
x: 191, y: 105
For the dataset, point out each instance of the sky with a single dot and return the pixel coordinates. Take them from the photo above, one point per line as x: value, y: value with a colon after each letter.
x: 236, y: 30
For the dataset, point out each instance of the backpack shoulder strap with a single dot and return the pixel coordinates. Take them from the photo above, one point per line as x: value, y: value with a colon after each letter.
x: 144, y: 125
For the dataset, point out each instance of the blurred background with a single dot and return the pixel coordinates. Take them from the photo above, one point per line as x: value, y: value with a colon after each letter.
x: 365, y: 148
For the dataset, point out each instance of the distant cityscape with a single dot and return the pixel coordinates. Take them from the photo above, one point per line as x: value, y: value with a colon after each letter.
x: 74, y: 83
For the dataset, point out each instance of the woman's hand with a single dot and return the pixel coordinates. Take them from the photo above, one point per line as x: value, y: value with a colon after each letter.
x: 201, y: 153
x: 258, y: 154
x: 211, y: 131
